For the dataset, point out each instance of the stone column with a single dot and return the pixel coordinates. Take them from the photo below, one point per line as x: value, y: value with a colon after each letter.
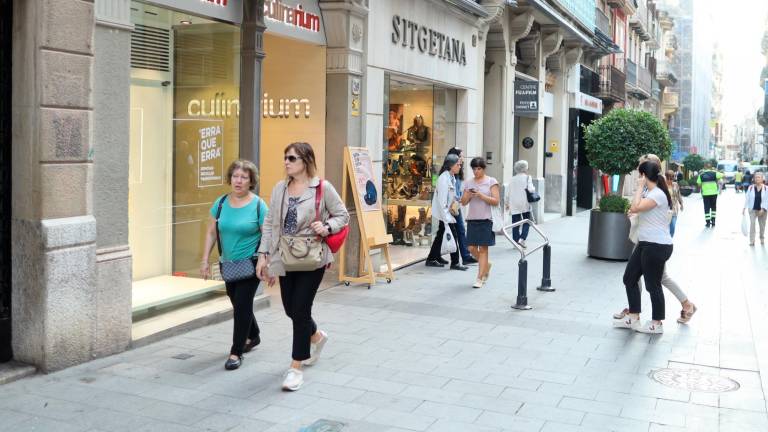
x: 54, y: 231
x: 110, y: 153
x: 252, y: 56
x: 346, y: 32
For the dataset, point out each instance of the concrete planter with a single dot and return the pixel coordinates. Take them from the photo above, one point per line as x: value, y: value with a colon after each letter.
x: 686, y: 190
x: 609, y: 236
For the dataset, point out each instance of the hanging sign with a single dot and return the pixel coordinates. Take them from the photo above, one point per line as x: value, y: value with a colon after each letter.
x: 526, y: 98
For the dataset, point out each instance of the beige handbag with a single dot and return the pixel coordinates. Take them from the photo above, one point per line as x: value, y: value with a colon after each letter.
x: 301, y: 252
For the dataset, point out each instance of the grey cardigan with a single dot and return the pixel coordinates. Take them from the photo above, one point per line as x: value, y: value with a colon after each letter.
x: 332, y: 211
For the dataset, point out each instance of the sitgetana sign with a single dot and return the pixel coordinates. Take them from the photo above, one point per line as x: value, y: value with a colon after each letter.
x: 413, y: 35
x: 224, y: 10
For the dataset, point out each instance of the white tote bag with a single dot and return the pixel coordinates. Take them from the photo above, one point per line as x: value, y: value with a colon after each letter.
x: 745, y: 224
x: 448, y: 245
x: 633, y: 226
x: 497, y: 215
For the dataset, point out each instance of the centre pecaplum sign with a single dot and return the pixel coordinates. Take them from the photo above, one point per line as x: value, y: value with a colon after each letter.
x: 428, y: 41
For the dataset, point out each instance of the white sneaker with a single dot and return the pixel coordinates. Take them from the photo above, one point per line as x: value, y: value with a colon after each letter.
x: 478, y: 284
x: 651, y: 327
x: 316, y: 348
x: 294, y: 378
x: 627, y: 322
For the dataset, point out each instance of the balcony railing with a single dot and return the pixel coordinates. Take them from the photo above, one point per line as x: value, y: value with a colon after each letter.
x: 583, y: 10
x: 612, y: 84
x: 631, y: 73
x: 639, y: 21
x: 670, y: 100
x: 650, y: 63
x: 664, y: 74
x: 644, y: 81
x: 589, y: 81
x: 602, y: 22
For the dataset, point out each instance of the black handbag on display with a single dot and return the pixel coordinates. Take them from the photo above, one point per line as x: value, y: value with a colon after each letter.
x: 237, y: 270
x: 531, y: 196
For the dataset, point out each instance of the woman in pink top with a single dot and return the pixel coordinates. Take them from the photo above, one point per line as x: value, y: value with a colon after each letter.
x: 481, y: 192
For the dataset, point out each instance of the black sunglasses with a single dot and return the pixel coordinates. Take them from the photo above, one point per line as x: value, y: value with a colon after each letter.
x: 291, y: 158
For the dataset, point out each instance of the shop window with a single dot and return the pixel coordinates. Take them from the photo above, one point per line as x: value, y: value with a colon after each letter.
x: 419, y: 130
x: 184, y: 133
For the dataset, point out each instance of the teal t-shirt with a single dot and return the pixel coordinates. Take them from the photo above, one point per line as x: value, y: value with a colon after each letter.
x: 240, y: 228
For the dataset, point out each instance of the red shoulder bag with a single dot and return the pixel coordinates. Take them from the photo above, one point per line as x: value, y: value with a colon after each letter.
x: 333, y: 240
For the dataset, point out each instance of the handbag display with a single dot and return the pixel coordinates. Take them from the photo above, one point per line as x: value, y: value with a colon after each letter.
x: 531, y: 196
x: 236, y: 270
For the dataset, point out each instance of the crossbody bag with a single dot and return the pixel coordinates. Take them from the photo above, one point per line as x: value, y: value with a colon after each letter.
x: 236, y: 270
x: 300, y: 252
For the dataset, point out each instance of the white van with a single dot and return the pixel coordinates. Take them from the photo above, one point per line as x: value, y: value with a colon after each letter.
x: 728, y: 168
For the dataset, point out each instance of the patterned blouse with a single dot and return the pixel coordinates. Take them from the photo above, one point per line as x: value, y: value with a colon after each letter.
x: 291, y: 225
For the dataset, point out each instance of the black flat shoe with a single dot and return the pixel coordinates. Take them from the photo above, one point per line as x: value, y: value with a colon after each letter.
x: 469, y: 260
x: 252, y: 344
x: 459, y: 267
x: 442, y: 261
x: 233, y: 364
x: 431, y: 263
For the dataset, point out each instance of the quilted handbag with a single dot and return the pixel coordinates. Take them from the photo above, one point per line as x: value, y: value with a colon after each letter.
x: 236, y: 270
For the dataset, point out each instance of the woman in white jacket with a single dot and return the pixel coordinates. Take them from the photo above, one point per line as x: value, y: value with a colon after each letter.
x: 517, y: 200
x: 757, y: 206
x: 444, y: 198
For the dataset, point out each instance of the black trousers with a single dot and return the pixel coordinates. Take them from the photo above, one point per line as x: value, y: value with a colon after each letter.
x: 710, y: 208
x: 437, y: 243
x: 647, y: 260
x: 241, y: 295
x: 298, y: 290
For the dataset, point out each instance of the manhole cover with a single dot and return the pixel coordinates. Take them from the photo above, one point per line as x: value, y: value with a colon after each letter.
x: 693, y: 380
x: 182, y: 356
x: 323, y: 426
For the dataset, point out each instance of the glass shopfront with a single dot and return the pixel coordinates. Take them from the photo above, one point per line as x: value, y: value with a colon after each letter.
x: 419, y: 130
x: 185, y: 108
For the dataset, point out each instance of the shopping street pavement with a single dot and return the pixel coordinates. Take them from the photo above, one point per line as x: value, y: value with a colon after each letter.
x: 429, y: 353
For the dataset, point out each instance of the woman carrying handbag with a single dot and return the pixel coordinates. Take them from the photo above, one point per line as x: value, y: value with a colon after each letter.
x: 445, y: 207
x: 305, y: 212
x: 235, y: 225
x: 520, y: 194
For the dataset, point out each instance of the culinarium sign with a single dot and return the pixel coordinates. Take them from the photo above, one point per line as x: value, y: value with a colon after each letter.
x: 428, y: 41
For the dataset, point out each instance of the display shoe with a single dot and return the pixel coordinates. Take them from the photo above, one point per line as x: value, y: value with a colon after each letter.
x: 232, y: 364
x: 294, y: 378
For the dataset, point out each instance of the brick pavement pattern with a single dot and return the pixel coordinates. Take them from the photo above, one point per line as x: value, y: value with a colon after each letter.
x: 429, y: 353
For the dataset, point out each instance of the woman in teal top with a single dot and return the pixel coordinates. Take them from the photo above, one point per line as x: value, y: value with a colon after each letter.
x: 242, y: 216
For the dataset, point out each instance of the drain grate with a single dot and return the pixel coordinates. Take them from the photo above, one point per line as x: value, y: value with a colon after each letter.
x: 182, y: 356
x: 323, y: 426
x: 693, y: 380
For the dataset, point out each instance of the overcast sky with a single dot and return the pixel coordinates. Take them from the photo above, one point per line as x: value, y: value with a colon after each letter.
x: 738, y: 27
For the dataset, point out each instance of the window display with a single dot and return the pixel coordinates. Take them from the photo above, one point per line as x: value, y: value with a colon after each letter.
x: 417, y: 135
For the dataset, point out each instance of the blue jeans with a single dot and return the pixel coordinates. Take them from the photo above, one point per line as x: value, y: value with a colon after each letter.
x: 672, y: 225
x: 516, y: 230
x: 462, y: 237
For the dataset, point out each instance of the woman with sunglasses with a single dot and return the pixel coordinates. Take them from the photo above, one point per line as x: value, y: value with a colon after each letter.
x: 292, y: 213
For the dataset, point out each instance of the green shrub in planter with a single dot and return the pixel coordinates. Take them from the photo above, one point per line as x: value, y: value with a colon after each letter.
x: 683, y: 183
x: 614, y: 204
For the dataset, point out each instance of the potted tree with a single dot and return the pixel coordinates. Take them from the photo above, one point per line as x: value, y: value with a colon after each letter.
x: 614, y: 143
x: 694, y: 163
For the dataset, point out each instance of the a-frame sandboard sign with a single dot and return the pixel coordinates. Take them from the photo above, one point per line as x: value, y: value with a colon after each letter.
x: 358, y: 171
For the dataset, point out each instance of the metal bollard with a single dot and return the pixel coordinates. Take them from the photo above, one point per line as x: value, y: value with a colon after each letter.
x: 522, y: 286
x: 546, y: 281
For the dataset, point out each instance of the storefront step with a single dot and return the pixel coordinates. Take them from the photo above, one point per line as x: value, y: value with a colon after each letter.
x: 185, y: 319
x: 13, y: 371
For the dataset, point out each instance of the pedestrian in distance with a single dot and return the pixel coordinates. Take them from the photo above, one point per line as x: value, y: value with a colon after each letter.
x: 677, y: 200
x: 445, y: 207
x: 738, y: 177
x: 517, y: 200
x: 747, y: 179
x: 708, y: 180
x: 303, y: 206
x: 235, y: 224
x: 687, y: 307
x: 756, y: 204
x: 481, y: 192
x: 466, y: 257
x: 652, y: 202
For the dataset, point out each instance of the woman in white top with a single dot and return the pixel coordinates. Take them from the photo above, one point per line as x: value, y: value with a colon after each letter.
x: 481, y: 192
x: 756, y: 204
x: 652, y: 202
x: 517, y: 200
x: 443, y: 201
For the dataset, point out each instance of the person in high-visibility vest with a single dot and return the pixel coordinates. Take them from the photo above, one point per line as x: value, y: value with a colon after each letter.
x: 708, y: 182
